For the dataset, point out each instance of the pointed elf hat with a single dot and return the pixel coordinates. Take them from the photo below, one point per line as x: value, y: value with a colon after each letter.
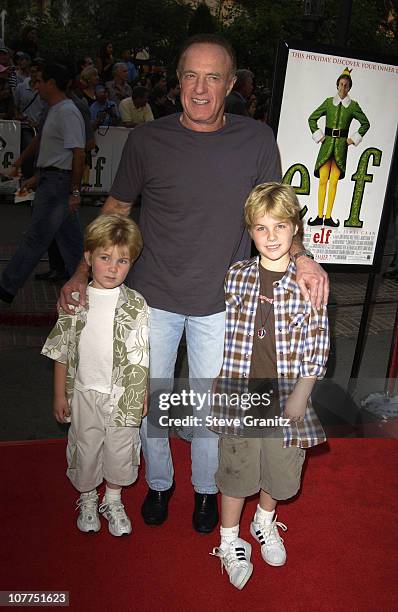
x: 346, y: 73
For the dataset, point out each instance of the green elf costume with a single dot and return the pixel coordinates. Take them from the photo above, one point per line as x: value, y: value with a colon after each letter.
x: 330, y: 165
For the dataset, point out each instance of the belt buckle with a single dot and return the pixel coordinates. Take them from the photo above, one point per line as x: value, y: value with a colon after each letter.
x: 335, y: 133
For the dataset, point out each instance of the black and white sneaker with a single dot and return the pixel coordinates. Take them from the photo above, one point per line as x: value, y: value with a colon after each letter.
x: 236, y: 560
x: 272, y: 548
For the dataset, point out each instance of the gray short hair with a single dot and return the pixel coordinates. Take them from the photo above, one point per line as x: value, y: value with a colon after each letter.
x: 242, y: 75
x: 117, y: 66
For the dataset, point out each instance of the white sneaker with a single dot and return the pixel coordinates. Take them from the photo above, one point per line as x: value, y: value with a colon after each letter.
x: 272, y: 549
x: 236, y: 560
x: 118, y: 521
x: 88, y: 519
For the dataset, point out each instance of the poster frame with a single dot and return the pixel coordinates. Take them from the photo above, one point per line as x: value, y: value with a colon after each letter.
x: 274, y: 116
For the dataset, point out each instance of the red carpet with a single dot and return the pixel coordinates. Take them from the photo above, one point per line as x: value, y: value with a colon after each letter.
x: 341, y: 542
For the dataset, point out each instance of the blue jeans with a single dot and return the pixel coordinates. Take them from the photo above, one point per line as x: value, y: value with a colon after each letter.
x: 51, y: 218
x: 205, y: 344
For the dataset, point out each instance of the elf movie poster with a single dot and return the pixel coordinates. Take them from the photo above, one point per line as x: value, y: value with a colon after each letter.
x: 336, y: 138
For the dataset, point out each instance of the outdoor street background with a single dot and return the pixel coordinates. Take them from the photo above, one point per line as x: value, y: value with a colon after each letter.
x: 26, y: 376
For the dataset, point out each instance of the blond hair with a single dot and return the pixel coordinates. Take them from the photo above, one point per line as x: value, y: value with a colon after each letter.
x: 113, y: 230
x: 274, y: 199
x: 87, y: 74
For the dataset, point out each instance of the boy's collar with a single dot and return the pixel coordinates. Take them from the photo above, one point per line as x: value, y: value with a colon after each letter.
x: 287, y: 280
x: 122, y: 299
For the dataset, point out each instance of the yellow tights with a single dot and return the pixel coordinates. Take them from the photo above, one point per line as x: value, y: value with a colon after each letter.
x: 328, y: 172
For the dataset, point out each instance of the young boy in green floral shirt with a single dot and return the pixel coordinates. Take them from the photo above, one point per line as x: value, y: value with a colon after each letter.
x: 101, y: 356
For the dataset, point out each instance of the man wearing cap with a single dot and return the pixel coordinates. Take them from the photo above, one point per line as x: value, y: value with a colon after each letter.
x: 331, y: 161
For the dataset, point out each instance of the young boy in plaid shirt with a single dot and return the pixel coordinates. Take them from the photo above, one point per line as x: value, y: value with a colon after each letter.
x: 272, y: 334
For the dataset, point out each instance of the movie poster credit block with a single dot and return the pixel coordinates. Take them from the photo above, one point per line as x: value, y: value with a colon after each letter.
x: 336, y: 142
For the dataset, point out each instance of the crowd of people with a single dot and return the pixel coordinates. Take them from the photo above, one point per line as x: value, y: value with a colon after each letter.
x: 124, y: 89
x: 105, y: 83
x: 101, y: 85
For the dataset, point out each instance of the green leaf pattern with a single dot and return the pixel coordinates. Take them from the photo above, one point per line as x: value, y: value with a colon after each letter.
x: 130, y: 354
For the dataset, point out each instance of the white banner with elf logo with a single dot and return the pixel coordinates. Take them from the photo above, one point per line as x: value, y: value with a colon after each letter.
x: 99, y: 173
x: 10, y: 142
x: 101, y: 170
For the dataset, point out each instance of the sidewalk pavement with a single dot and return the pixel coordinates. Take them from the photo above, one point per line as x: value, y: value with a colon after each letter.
x: 26, y: 376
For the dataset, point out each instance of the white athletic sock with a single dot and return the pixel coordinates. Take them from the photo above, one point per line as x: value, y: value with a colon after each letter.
x: 112, y: 495
x: 263, y: 516
x: 228, y: 535
x: 88, y: 494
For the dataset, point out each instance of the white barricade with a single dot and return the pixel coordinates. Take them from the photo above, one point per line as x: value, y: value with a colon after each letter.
x: 105, y: 161
x: 10, y: 142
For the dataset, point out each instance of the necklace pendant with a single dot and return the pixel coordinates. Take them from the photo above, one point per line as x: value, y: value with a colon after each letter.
x: 261, y: 332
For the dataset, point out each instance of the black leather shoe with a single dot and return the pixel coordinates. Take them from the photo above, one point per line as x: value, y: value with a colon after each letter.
x: 205, y: 515
x: 316, y: 221
x: 154, y: 510
x: 5, y: 296
x: 330, y: 223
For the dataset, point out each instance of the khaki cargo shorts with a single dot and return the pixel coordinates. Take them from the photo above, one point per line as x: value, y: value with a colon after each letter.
x: 247, y: 465
x: 96, y: 451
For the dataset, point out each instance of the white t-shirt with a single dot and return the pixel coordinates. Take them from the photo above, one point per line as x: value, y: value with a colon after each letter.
x: 96, y: 342
x: 63, y: 130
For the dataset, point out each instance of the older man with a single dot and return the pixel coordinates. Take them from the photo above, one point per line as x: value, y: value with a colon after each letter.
x: 194, y: 171
x: 119, y: 89
x: 237, y: 101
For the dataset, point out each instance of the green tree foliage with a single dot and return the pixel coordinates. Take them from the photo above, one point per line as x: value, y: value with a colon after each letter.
x: 257, y: 26
x: 257, y: 30
x: 74, y: 28
x: 254, y: 27
x: 369, y: 29
x: 202, y: 21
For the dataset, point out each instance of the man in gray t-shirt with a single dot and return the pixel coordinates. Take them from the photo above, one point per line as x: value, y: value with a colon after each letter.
x: 60, y: 166
x: 193, y: 172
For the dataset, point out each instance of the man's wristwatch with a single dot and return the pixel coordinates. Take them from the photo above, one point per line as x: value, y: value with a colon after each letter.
x: 303, y: 253
x: 75, y: 193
